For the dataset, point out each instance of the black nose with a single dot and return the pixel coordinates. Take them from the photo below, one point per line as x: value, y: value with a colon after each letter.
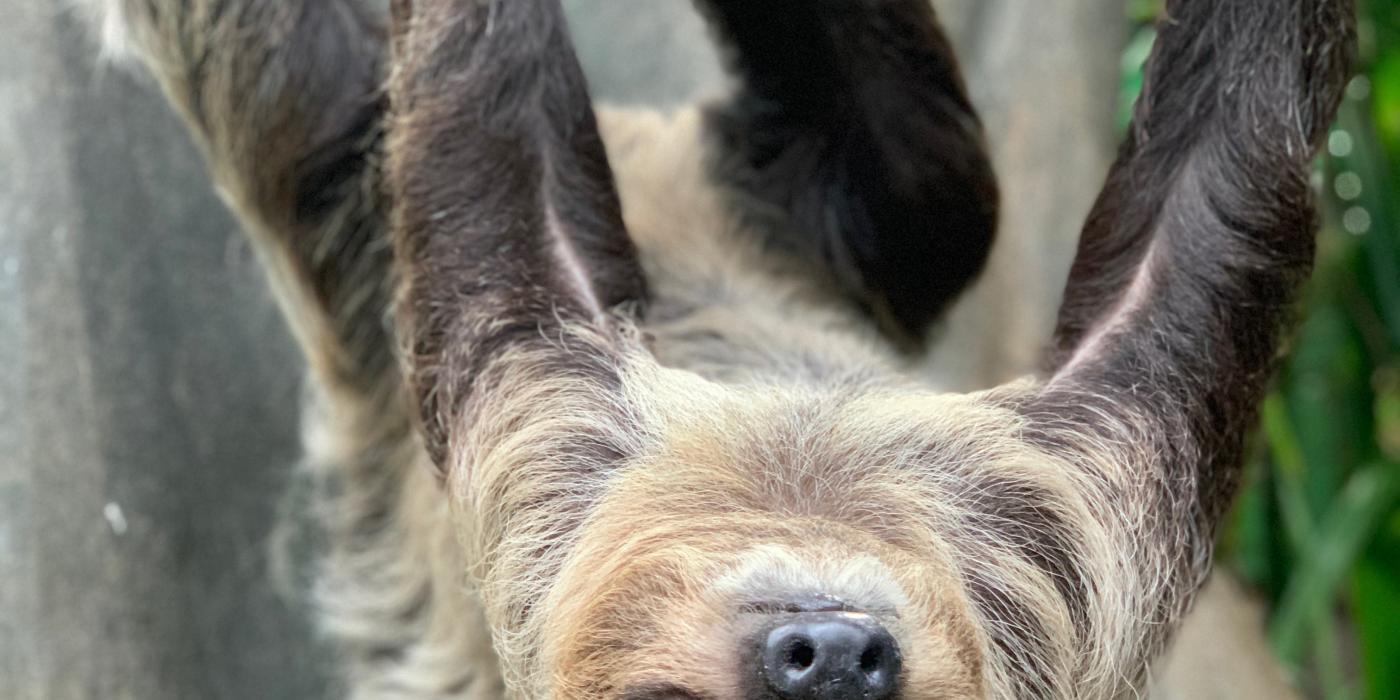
x: 830, y: 656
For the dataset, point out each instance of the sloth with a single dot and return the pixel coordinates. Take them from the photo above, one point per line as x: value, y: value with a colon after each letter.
x: 642, y: 421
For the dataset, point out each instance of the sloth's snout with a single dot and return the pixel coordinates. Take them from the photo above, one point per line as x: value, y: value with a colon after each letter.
x: 829, y: 656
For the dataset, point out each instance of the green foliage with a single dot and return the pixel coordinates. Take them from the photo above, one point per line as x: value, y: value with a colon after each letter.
x: 1317, y: 527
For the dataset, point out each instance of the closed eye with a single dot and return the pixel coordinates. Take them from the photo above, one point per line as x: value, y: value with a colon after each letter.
x: 661, y: 692
x: 815, y: 604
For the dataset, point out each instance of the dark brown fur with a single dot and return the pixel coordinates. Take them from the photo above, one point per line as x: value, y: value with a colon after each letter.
x: 862, y: 98
x: 479, y: 238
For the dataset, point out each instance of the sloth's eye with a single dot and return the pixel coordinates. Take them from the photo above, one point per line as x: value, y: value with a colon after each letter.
x: 663, y: 692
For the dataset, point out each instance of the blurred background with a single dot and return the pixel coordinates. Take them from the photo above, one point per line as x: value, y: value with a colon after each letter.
x: 150, y: 539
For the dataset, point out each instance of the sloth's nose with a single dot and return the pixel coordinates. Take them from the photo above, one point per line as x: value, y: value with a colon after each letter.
x: 830, y: 656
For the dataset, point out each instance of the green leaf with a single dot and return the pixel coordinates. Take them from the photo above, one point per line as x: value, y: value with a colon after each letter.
x: 1134, y: 57
x: 1291, y: 469
x: 1376, y: 207
x: 1387, y: 384
x: 1329, y: 400
x: 1249, y: 535
x: 1144, y: 10
x: 1363, y: 507
x: 1375, y: 597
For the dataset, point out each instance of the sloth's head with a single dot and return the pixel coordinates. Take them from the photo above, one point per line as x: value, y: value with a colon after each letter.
x: 763, y: 553
x: 742, y: 605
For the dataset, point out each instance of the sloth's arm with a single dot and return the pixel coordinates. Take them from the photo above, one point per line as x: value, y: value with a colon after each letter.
x: 507, y: 228
x: 509, y: 238
x: 283, y: 97
x: 1190, y: 263
x: 853, y: 122
x: 1186, y: 274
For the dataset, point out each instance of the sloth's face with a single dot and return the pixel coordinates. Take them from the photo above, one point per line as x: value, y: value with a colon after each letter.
x: 688, y: 584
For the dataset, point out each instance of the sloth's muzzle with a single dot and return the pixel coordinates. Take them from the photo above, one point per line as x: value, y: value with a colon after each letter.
x: 827, y: 656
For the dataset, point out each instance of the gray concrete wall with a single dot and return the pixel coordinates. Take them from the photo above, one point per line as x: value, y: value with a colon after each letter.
x: 148, y: 404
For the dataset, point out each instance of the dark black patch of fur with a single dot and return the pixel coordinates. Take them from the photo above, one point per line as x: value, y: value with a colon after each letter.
x: 853, y: 123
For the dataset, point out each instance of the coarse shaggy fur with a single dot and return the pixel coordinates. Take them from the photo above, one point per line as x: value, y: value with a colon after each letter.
x: 635, y: 410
